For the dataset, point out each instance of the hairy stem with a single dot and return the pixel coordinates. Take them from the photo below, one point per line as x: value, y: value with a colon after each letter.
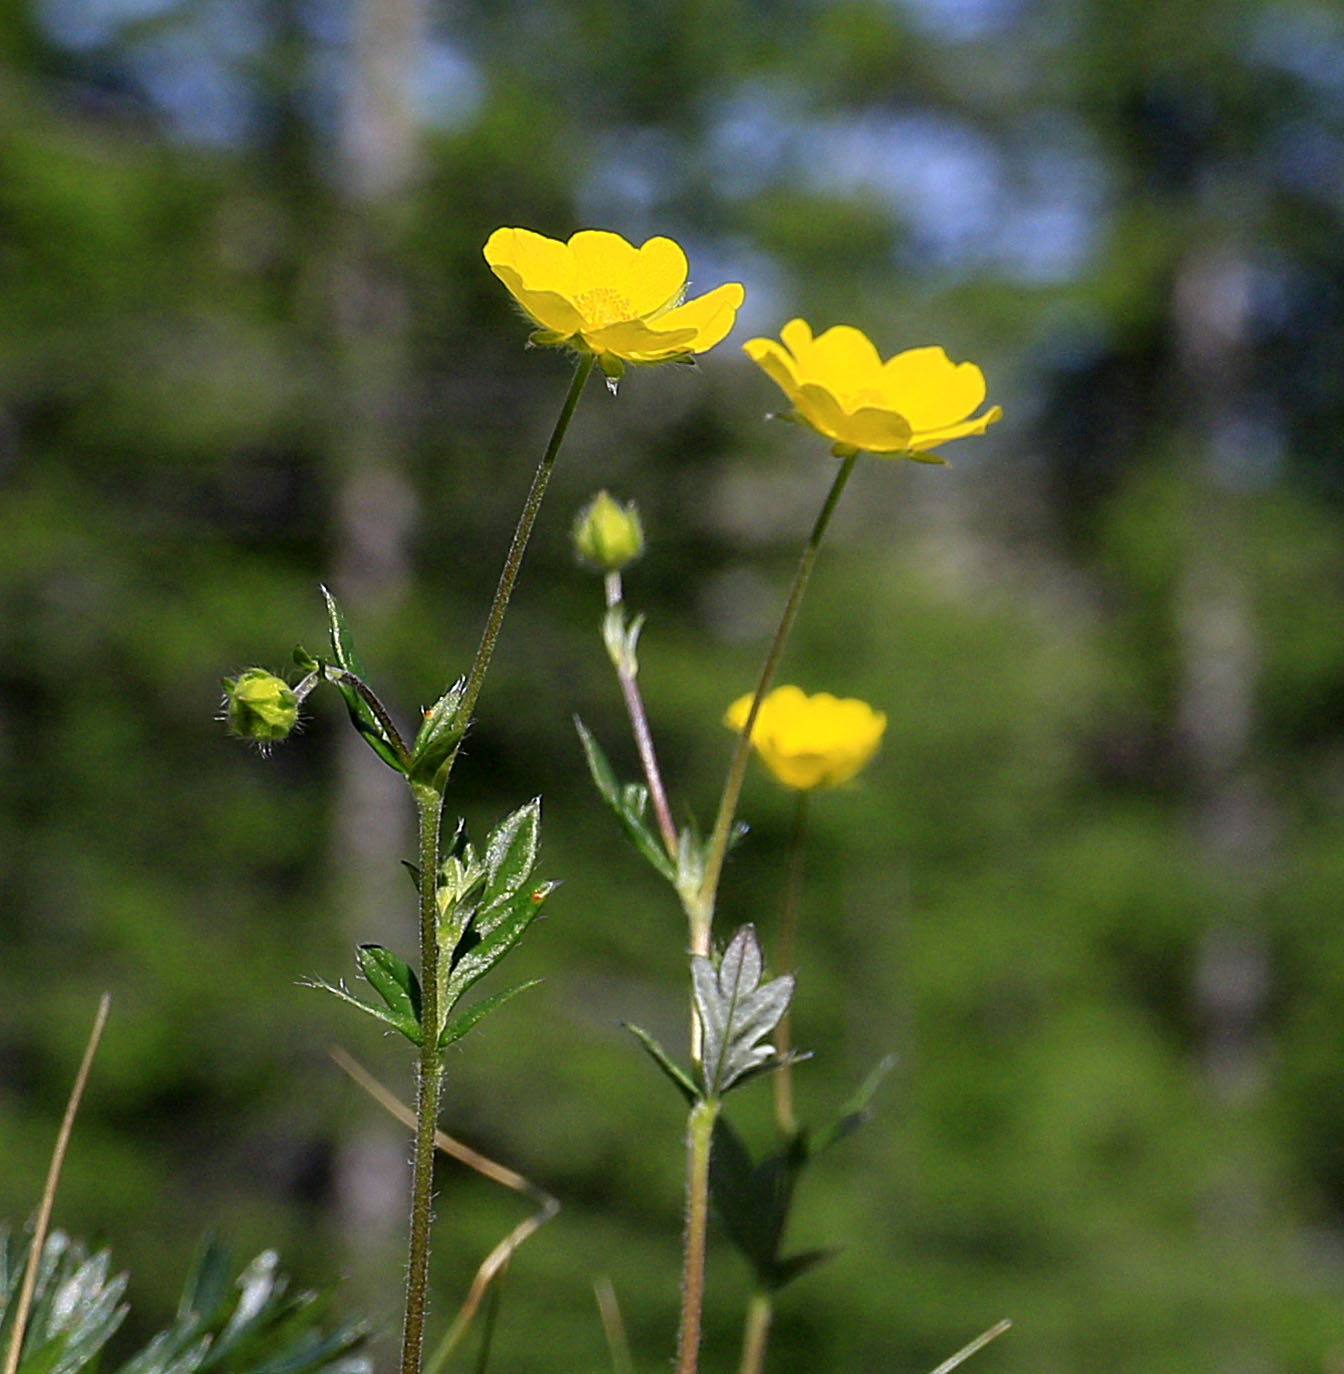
x: 429, y: 1082
x: 699, y: 1133
x: 429, y: 802
x: 702, y: 912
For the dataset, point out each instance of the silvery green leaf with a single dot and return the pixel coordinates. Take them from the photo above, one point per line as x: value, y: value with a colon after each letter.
x: 511, y: 851
x: 440, y: 733
x: 736, y: 1010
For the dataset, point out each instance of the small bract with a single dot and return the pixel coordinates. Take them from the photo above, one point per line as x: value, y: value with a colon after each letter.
x: 810, y: 741
x: 838, y: 384
x: 599, y: 294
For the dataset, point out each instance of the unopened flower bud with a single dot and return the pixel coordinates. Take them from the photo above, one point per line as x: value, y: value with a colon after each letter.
x: 260, y: 706
x: 608, y: 535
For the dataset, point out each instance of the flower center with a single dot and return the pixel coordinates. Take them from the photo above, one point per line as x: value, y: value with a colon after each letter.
x: 601, y: 305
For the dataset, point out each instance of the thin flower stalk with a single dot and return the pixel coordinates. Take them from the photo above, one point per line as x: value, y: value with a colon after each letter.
x: 782, y: 1078
x: 701, y: 912
x: 756, y: 1332
x: 430, y: 806
x: 514, y: 561
x: 628, y: 676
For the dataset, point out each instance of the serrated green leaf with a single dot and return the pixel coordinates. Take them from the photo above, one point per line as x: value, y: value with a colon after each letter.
x: 408, y: 1026
x: 628, y: 803
x: 736, y: 1009
x: 361, y: 716
x: 677, y: 1076
x: 437, y: 740
x: 474, y: 959
x: 511, y: 851
x: 461, y: 1024
x: 393, y: 980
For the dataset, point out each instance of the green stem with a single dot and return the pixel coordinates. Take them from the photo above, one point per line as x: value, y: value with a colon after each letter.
x: 699, y: 1133
x: 485, y: 650
x: 430, y: 1079
x: 756, y: 1332
x: 702, y: 912
x: 788, y: 924
x: 429, y: 802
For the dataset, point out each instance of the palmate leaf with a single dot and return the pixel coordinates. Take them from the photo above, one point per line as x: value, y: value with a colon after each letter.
x: 76, y: 1307
x: 393, y: 980
x: 501, y: 899
x: 736, y: 1009
x: 245, y: 1326
x: 252, y: 1325
x: 754, y: 1199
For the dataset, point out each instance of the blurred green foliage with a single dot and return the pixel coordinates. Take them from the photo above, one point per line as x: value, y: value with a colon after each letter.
x: 1089, y: 891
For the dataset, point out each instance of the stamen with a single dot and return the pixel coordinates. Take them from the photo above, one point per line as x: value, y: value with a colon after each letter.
x: 601, y: 305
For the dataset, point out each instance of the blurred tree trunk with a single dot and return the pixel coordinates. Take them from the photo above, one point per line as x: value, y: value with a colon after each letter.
x: 1216, y: 709
x: 375, y: 515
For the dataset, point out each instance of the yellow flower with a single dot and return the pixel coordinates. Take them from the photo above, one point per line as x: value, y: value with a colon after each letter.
x: 601, y: 294
x: 839, y: 385
x: 818, y: 741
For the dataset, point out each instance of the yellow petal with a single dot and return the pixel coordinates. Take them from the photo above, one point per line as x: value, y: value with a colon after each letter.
x: 691, y: 328
x: 602, y: 259
x: 797, y: 337
x: 658, y: 278
x: 735, y: 717
x: 929, y: 389
x: 844, y: 359
x: 878, y: 431
x: 636, y: 342
x: 806, y: 742
x: 536, y: 262
x: 775, y: 363
x: 928, y: 438
x: 710, y: 315
x: 550, y: 310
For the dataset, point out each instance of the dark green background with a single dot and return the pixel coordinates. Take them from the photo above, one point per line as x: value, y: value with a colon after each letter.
x: 1089, y: 892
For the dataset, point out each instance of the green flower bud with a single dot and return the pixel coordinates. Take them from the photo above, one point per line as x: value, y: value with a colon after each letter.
x: 260, y: 706
x: 608, y: 535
